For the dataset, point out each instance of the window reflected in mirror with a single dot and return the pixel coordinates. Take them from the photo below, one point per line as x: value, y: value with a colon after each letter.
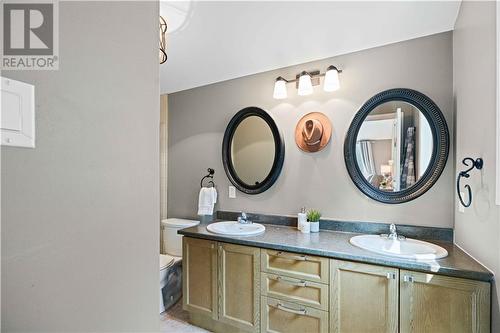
x: 394, y: 146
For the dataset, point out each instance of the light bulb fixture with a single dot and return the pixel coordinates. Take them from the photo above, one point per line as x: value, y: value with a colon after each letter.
x: 305, y: 84
x: 280, y: 88
x: 305, y: 81
x: 163, y: 43
x: 331, y: 82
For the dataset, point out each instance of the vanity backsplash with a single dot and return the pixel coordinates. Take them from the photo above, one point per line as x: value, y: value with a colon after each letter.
x: 410, y: 231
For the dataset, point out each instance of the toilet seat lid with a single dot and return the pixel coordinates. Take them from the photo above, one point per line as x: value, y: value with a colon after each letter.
x: 165, y: 261
x: 179, y: 223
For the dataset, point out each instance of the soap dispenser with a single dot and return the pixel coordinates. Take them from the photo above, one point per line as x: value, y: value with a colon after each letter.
x: 302, y: 219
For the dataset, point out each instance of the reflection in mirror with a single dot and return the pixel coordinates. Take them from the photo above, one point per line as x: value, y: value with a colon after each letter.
x: 394, y: 146
x: 252, y: 150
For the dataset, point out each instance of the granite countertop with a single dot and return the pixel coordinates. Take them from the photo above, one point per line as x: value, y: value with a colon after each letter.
x: 335, y: 244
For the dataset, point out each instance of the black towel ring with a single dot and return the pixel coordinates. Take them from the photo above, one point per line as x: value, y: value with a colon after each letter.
x: 210, y: 175
x: 477, y: 164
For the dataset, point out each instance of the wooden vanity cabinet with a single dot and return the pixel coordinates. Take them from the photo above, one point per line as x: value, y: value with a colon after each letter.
x: 436, y: 303
x: 234, y: 288
x: 363, y: 298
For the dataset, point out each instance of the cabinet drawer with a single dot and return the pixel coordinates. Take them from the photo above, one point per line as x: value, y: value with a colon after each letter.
x: 280, y: 316
x: 304, y: 292
x: 300, y: 266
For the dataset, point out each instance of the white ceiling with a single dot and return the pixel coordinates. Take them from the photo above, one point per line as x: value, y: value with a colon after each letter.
x: 210, y: 42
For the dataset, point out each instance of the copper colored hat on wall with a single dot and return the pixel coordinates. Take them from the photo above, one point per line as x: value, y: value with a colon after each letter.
x: 313, y: 132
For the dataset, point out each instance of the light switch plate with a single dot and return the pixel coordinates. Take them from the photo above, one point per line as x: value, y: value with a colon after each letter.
x: 17, y: 113
x: 232, y: 192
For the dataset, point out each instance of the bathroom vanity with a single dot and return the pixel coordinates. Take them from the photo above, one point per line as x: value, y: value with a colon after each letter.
x: 285, y: 281
x: 281, y: 280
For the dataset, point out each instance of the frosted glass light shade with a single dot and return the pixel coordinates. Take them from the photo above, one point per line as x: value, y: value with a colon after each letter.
x: 305, y: 84
x: 331, y: 79
x: 280, y: 89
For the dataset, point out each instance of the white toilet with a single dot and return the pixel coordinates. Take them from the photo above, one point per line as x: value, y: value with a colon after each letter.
x: 171, y: 261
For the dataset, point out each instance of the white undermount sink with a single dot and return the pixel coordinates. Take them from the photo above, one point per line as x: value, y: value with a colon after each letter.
x: 401, y: 248
x: 232, y: 228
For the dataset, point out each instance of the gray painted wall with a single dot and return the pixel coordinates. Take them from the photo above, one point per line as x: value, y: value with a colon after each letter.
x: 80, y: 212
x: 474, y: 54
x: 198, y: 118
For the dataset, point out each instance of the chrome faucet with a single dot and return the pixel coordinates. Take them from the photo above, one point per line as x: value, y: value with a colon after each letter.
x: 243, y: 219
x: 392, y: 232
x: 393, y: 235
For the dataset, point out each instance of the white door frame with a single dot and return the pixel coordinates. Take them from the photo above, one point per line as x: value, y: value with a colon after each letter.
x: 498, y: 106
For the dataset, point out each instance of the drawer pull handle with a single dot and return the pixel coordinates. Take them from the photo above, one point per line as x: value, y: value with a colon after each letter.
x: 301, y: 283
x: 391, y: 276
x: 287, y: 309
x: 408, y: 278
x: 284, y: 256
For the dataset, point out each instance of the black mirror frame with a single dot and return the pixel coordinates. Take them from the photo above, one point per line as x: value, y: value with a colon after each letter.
x: 279, y: 156
x: 440, y: 151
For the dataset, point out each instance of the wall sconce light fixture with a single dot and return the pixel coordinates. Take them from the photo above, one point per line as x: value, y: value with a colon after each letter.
x: 306, y: 80
x: 163, y: 43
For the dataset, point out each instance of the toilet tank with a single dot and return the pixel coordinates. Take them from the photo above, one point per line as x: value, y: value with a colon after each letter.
x: 172, y: 242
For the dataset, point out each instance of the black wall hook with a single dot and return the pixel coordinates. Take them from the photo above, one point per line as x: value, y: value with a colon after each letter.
x: 471, y: 164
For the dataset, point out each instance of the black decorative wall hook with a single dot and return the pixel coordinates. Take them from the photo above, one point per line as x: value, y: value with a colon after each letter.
x: 474, y: 164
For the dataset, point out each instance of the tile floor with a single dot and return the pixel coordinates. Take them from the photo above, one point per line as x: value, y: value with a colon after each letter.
x: 175, y: 320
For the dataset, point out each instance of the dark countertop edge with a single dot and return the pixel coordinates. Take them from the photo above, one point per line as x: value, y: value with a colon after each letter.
x: 390, y: 262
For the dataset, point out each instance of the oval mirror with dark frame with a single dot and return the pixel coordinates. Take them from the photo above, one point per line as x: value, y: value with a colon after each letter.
x: 253, y: 150
x: 397, y: 146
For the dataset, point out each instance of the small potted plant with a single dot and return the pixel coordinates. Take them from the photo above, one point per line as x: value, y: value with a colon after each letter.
x: 313, y: 217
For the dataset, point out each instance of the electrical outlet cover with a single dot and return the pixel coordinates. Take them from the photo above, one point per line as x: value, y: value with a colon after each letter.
x: 232, y: 192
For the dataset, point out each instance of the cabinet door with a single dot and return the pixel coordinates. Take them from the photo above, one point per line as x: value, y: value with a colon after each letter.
x: 239, y: 279
x: 435, y: 303
x: 199, y: 277
x: 364, y: 298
